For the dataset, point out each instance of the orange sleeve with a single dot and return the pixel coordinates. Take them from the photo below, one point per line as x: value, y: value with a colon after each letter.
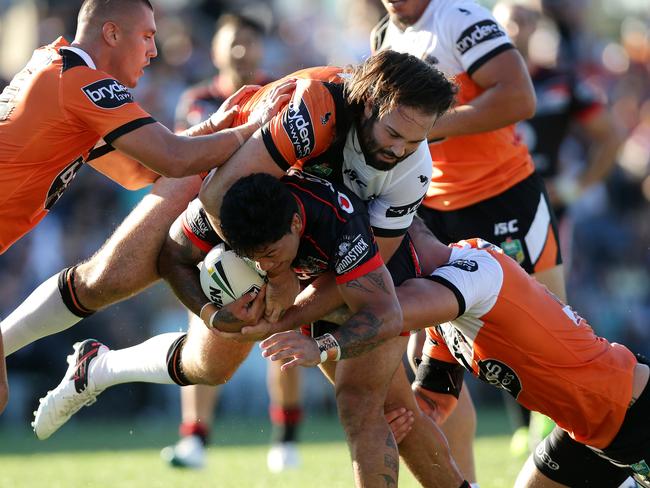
x: 304, y: 128
x: 101, y: 103
x: 436, y: 348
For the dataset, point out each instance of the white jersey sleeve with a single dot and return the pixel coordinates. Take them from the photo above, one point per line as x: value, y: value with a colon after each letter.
x: 471, y: 32
x: 474, y: 277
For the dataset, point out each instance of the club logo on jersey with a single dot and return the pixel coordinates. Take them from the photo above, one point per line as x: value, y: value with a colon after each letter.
x: 107, y: 93
x: 297, y: 122
x: 324, y: 119
x: 322, y: 169
x: 423, y: 179
x: 499, y: 374
x: 404, y: 209
x: 514, y: 249
x: 350, y: 252
x: 465, y: 264
x: 61, y: 182
x: 353, y: 177
x: 308, y: 267
x: 345, y: 203
x: 482, y: 31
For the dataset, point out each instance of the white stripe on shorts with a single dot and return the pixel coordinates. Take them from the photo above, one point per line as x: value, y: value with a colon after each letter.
x: 538, y: 231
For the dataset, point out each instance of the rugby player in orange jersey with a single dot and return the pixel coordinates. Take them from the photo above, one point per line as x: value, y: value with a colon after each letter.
x: 510, y: 331
x: 483, y: 181
x: 70, y: 105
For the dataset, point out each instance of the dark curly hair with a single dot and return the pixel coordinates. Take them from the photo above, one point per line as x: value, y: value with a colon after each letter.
x: 390, y: 79
x: 256, y: 211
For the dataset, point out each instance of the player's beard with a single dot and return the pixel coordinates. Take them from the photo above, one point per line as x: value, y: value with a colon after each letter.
x: 371, y: 148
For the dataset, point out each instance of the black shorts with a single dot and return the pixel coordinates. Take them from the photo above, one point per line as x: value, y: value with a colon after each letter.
x: 566, y: 461
x: 519, y: 220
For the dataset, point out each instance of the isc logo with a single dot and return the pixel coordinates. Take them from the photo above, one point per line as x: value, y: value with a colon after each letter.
x: 502, y: 228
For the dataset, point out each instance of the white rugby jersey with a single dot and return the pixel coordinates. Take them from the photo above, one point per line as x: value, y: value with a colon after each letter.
x: 456, y: 36
x: 392, y: 196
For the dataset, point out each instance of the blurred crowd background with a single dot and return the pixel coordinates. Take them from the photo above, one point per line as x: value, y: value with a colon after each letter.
x: 605, y: 234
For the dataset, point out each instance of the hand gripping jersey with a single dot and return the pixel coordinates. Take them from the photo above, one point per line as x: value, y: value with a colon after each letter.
x: 200, y: 101
x: 514, y: 334
x: 52, y: 115
x: 315, y: 132
x: 458, y: 37
x: 336, y: 234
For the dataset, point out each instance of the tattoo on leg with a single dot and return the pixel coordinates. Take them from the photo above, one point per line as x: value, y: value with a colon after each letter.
x: 390, y: 441
x: 389, y: 480
x: 391, y: 463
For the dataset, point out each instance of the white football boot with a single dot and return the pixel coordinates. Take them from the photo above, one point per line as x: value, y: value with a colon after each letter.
x: 189, y: 452
x: 283, y: 456
x: 76, y: 390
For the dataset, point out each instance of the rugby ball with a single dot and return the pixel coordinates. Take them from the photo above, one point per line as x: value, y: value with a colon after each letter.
x: 225, y: 276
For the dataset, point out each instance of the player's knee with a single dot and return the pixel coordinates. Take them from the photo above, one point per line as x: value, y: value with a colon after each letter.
x: 358, y: 407
x: 95, y: 285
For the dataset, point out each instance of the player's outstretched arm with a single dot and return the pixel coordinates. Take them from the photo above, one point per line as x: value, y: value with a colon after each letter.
x: 174, y: 155
x: 177, y: 264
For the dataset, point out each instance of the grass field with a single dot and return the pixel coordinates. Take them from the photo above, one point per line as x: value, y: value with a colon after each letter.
x: 121, y: 455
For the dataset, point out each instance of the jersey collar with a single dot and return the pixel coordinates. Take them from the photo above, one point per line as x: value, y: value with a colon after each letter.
x: 82, y: 54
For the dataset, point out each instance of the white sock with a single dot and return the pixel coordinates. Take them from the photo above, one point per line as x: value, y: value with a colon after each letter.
x: 43, y: 313
x: 145, y: 362
x: 474, y: 485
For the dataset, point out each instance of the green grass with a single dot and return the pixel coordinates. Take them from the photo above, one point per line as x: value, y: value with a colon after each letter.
x: 121, y: 455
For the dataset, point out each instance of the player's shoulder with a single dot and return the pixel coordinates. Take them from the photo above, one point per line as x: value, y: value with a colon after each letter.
x: 467, y: 19
x: 320, y: 192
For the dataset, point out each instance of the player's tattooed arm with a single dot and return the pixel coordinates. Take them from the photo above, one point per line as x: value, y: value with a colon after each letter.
x: 177, y: 264
x: 376, y: 313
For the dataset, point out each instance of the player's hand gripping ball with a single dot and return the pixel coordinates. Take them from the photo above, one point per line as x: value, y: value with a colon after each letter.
x: 225, y: 277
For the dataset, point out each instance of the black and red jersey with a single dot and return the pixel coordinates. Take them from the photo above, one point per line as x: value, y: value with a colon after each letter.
x: 336, y: 234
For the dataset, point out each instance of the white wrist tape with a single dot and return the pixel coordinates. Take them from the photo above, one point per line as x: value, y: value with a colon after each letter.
x: 329, y: 348
x: 239, y: 137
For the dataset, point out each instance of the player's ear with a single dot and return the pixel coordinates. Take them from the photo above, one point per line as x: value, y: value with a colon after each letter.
x: 296, y: 224
x: 111, y: 33
x: 368, y: 109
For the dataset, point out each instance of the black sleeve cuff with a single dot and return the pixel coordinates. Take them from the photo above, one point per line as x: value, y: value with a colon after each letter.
x: 486, y: 57
x: 128, y: 127
x: 388, y: 232
x: 273, y: 150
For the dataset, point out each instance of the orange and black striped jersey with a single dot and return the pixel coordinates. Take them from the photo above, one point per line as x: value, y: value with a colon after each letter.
x: 52, y: 114
x: 514, y: 334
x: 315, y: 132
x: 458, y: 37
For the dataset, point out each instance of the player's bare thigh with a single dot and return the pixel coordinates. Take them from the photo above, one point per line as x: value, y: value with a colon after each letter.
x: 553, y: 279
x: 127, y: 262
x: 209, y: 359
x: 531, y: 477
